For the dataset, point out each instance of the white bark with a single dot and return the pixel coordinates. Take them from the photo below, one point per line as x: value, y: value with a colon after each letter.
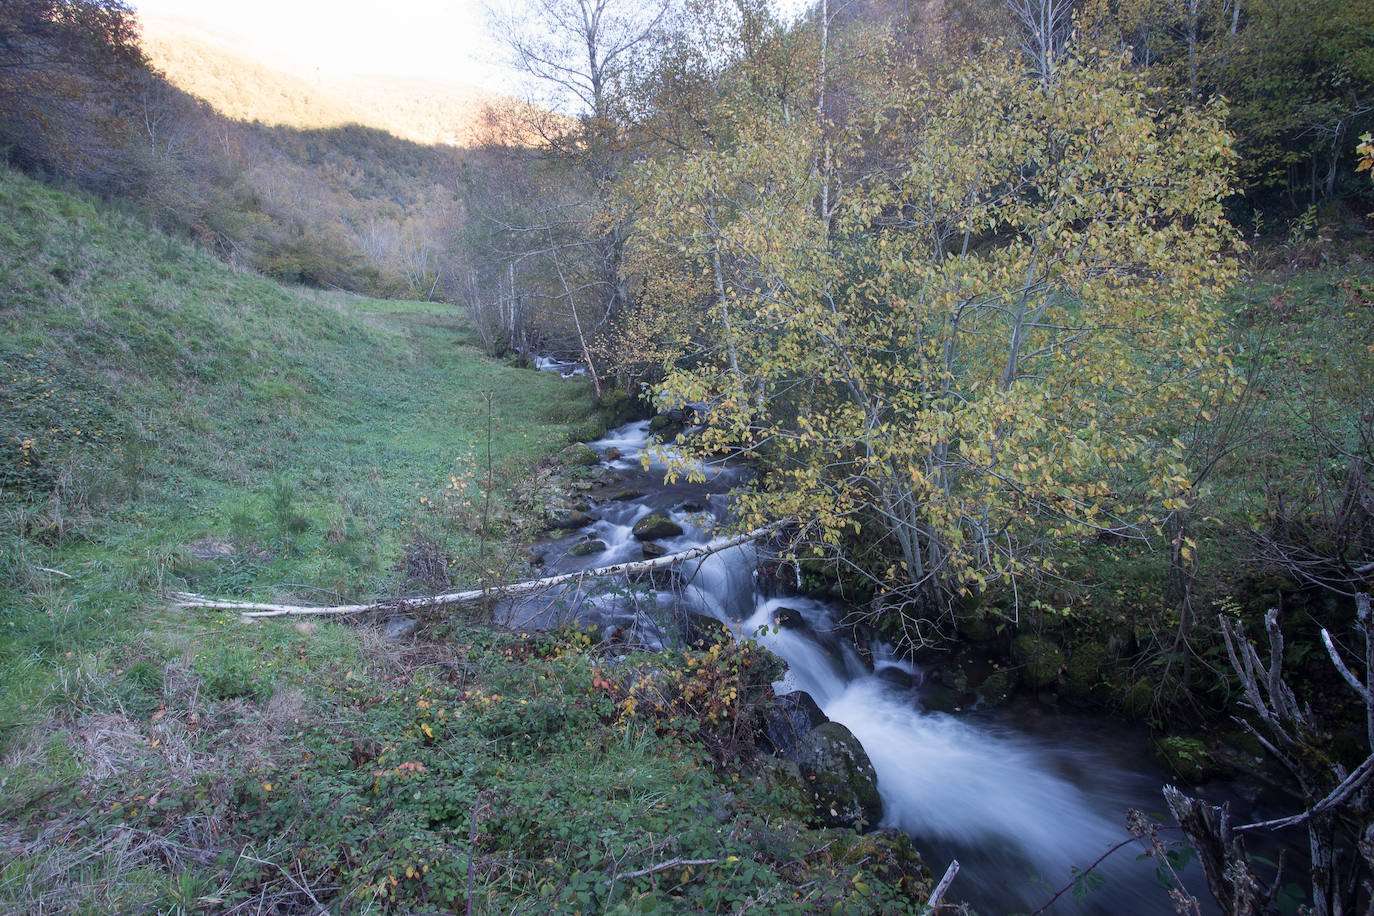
x: 252, y: 609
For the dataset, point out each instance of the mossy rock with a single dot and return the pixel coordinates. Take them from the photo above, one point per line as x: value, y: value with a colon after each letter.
x: 1140, y: 698
x: 887, y: 854
x: 579, y: 455
x: 1189, y: 759
x: 587, y: 548
x: 977, y: 625
x: 1084, y: 671
x: 588, y: 432
x: 574, y: 520
x: 659, y: 422
x: 839, y: 778
x: 651, y: 551
x: 654, y: 527
x: 996, y: 688
x: 1039, y: 658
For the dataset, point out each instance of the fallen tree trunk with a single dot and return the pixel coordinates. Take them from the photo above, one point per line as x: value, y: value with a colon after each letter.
x: 251, y: 609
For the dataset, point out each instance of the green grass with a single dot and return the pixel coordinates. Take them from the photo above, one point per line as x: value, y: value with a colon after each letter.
x: 155, y: 402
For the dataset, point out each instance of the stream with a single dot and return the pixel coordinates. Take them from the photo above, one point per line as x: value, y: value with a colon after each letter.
x: 1020, y: 795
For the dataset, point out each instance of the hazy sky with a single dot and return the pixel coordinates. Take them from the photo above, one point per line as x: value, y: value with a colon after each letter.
x: 439, y: 39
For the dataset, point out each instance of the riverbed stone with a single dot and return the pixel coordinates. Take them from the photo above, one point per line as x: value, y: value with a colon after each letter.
x: 579, y: 455
x: 655, y: 527
x: 587, y: 548
x: 611, y: 454
x: 839, y: 777
x: 652, y: 551
x: 626, y: 495
x: 700, y: 631
x: 789, y: 618
x: 788, y: 720
x: 1190, y: 759
x: 574, y: 520
x: 1039, y: 658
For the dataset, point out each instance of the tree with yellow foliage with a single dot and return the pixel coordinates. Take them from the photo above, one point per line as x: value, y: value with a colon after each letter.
x: 989, y: 346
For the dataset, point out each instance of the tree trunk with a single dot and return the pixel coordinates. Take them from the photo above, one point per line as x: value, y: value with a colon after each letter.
x: 251, y: 609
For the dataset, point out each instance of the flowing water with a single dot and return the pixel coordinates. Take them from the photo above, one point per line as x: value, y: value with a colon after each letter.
x: 1020, y: 807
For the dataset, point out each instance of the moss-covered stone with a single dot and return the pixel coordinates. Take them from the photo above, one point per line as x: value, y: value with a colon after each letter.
x: 587, y: 548
x: 654, y: 527
x: 588, y: 432
x: 1040, y: 659
x: 996, y: 688
x: 1189, y: 759
x: 977, y: 625
x: 579, y: 455
x: 660, y: 422
x: 1140, y: 698
x: 839, y: 777
x: 888, y: 854
x: 574, y: 520
x: 1084, y: 671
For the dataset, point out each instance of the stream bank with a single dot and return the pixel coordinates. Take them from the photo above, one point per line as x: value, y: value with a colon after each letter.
x: 1025, y: 796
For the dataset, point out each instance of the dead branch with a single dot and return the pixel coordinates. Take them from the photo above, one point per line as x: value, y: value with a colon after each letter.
x: 251, y: 609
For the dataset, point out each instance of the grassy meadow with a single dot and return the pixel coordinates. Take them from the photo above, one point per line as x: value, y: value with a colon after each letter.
x: 168, y: 423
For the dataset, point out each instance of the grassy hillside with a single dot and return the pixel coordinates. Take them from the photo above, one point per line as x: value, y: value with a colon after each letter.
x: 153, y: 399
x: 169, y: 423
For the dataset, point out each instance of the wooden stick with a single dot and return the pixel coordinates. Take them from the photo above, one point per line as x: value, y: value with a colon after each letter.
x: 253, y: 609
x: 942, y: 888
x: 666, y: 866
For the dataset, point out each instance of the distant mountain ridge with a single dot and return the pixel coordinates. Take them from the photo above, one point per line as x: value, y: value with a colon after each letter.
x: 243, y: 83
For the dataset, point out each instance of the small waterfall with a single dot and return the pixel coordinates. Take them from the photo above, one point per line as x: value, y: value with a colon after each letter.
x: 1021, y: 813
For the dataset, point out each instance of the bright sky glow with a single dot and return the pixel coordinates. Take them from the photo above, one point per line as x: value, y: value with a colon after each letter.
x: 434, y: 39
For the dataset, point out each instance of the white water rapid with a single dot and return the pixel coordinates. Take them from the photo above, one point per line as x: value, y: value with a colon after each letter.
x: 1020, y: 811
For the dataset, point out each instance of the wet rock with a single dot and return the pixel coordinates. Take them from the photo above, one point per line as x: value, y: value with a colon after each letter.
x: 654, y: 527
x: 940, y: 698
x: 891, y: 674
x: 574, y: 520
x: 652, y: 551
x: 579, y: 455
x: 839, y: 777
x: 1083, y: 675
x: 587, y: 548
x: 691, y: 506
x: 1189, y: 759
x: 626, y: 495
x: 996, y: 688
x: 701, y: 631
x: 1140, y: 698
x: 660, y: 422
x: 789, y: 618
x: 1039, y: 658
x: 611, y: 454
x: 787, y: 722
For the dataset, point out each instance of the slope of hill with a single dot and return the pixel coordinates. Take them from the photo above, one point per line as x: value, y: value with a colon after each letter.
x: 233, y: 77
x: 167, y: 422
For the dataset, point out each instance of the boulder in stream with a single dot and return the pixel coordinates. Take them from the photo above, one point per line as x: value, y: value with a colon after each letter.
x: 652, y: 551
x: 839, y: 777
x: 574, y: 520
x: 788, y: 720
x: 587, y: 548
x: 654, y: 527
